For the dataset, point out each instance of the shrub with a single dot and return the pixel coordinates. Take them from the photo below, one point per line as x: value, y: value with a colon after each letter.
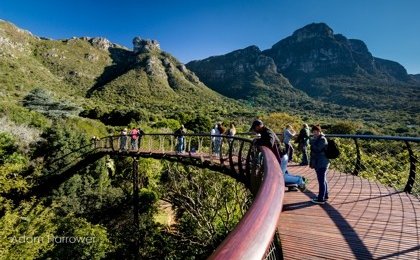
x: 42, y: 101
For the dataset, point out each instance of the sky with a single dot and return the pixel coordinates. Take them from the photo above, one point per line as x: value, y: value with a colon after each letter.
x: 197, y: 29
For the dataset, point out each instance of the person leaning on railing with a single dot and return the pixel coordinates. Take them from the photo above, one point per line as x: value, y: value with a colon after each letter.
x: 268, y: 138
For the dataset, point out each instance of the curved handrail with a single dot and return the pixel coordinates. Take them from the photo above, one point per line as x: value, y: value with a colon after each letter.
x: 259, y: 224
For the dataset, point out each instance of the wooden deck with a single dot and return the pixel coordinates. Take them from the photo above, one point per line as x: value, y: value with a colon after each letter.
x: 362, y: 220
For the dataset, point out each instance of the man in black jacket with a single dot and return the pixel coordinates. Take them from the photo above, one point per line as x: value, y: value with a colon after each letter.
x: 267, y: 138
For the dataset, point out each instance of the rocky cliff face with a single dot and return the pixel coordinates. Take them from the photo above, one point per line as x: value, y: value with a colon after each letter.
x: 145, y: 45
x: 314, y: 51
x: 246, y: 74
x: 313, y: 59
x: 235, y: 67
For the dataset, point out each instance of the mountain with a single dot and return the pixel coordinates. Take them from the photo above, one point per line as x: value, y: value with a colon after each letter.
x: 248, y: 75
x: 95, y: 73
x: 415, y: 77
x: 313, y: 62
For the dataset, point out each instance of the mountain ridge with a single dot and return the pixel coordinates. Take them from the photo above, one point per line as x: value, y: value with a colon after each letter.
x: 325, y: 66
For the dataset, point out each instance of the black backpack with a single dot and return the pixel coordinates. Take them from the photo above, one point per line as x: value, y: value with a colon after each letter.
x: 332, y: 151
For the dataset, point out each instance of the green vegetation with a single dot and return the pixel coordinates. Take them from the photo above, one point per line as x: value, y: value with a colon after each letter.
x: 56, y: 95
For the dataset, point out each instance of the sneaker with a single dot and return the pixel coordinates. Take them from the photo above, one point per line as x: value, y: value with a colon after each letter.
x: 316, y: 201
x: 292, y: 188
x: 302, y: 187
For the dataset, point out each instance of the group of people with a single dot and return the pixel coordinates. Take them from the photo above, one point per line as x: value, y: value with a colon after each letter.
x: 318, y: 160
x: 135, y: 136
x: 216, y: 138
x: 302, y: 139
x: 268, y: 138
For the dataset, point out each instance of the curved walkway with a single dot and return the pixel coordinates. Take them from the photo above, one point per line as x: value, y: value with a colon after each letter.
x: 362, y: 220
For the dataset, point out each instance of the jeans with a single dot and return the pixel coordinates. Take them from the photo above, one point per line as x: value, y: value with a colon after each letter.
x: 180, y: 145
x: 123, y: 143
x: 304, y: 154
x: 321, y: 174
x: 216, y: 145
x: 134, y: 144
x: 293, y: 179
x: 289, y: 150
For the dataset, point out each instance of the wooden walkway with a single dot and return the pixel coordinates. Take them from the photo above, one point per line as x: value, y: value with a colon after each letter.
x: 362, y: 220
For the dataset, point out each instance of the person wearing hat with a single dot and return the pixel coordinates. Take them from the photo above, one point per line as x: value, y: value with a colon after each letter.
x: 267, y: 137
x: 320, y: 163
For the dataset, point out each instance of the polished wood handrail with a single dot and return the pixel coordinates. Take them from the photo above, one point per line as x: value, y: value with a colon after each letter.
x: 254, y: 233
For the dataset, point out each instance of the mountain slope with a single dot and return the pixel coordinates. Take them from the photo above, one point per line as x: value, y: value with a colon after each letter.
x: 94, y: 72
x: 248, y: 75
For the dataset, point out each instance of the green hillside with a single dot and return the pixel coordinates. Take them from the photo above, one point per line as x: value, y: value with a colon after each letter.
x: 94, y: 73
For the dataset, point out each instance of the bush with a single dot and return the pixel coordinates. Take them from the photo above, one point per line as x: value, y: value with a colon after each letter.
x: 200, y: 124
x: 123, y: 117
x: 42, y: 101
x: 344, y: 127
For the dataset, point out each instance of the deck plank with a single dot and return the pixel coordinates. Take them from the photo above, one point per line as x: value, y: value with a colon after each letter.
x: 362, y: 220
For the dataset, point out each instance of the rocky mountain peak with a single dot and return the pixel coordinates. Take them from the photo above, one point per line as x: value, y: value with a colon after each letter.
x: 145, y: 45
x: 100, y: 42
x: 313, y: 30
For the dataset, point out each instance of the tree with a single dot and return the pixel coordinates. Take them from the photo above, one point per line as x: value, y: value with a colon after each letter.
x: 43, y: 101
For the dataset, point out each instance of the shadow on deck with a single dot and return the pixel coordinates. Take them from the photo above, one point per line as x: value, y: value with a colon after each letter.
x: 362, y: 220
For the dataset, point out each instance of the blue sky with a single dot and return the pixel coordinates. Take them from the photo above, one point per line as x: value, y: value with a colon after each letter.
x: 196, y: 29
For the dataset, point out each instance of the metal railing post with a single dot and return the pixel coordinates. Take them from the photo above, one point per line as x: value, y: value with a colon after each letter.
x: 412, y: 174
x: 358, y: 164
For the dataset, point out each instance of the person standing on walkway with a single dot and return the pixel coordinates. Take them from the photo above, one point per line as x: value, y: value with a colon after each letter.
x: 123, y: 140
x: 320, y: 163
x: 214, y: 144
x: 140, y: 134
x: 287, y: 137
x: 134, y: 134
x: 231, y: 132
x: 179, y: 134
x: 303, y: 142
